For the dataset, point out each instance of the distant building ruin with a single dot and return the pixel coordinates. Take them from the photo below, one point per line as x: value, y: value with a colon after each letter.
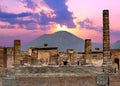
x: 44, y: 55
x: 10, y: 55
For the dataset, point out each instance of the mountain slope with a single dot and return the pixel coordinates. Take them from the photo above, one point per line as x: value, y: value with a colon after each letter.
x: 116, y: 45
x: 62, y: 39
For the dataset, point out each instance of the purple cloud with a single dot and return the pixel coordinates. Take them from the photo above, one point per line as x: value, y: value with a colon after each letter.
x: 30, y: 4
x: 12, y: 19
x: 88, y: 24
x: 63, y: 16
x: 11, y: 15
x: 115, y: 34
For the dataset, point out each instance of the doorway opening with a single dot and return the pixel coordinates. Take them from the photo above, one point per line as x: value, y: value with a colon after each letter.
x: 78, y: 63
x: 65, y: 63
x: 116, y: 60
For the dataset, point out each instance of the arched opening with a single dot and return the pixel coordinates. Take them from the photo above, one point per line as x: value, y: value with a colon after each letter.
x: 116, y: 60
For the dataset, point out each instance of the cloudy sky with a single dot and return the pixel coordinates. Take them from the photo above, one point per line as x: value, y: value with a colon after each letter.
x: 29, y: 19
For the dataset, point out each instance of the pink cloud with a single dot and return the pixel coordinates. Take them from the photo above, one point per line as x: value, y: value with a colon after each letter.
x: 14, y: 6
x: 8, y: 35
x: 89, y: 34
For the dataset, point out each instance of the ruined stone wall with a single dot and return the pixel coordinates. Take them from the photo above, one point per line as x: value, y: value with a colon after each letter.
x: 39, y: 70
x: 2, y: 52
x: 25, y: 58
x: 60, y: 81
x: 57, y: 81
x: 64, y: 57
x: 69, y: 76
x: 45, y: 57
x: 10, y: 56
x: 51, y: 81
x: 114, y: 80
x: 51, y: 76
x: 6, y: 57
x: 97, y: 59
x: 70, y: 58
x: 77, y: 59
x: 9, y: 81
x: 115, y: 56
x: 54, y: 57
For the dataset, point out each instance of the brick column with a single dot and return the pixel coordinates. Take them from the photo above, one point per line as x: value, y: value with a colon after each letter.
x: 106, y: 38
x: 17, y: 49
x: 88, y: 50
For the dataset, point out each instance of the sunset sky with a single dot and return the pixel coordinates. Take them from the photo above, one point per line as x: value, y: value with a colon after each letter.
x: 29, y: 19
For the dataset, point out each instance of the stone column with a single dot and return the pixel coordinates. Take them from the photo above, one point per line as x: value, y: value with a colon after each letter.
x: 17, y: 50
x: 106, y: 38
x: 88, y: 50
x: 3, y: 58
x: 88, y: 46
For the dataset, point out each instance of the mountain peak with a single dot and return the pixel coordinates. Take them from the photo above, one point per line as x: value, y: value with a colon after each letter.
x: 63, y: 39
x: 63, y: 33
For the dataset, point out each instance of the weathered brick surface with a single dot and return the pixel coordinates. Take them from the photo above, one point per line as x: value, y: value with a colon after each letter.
x: 58, y: 76
x: 56, y: 69
x: 2, y: 51
x: 114, y: 80
x: 9, y: 82
x: 57, y: 81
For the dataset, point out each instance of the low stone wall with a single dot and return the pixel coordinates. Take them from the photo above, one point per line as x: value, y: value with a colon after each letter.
x: 114, y: 80
x: 52, y: 81
x: 57, y: 76
x: 81, y: 70
x: 9, y: 81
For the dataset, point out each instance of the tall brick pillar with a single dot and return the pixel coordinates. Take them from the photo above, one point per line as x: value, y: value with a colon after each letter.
x: 106, y: 38
x: 88, y: 46
x: 3, y: 58
x: 17, y: 50
x: 88, y: 50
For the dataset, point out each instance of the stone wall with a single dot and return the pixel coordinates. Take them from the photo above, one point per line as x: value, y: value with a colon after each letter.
x: 50, y: 76
x: 43, y: 55
x: 52, y: 81
x: 58, y: 76
x: 80, y: 70
x: 9, y: 81
x: 2, y: 58
x: 62, y: 80
x: 115, y: 56
x: 10, y: 56
x: 114, y: 80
